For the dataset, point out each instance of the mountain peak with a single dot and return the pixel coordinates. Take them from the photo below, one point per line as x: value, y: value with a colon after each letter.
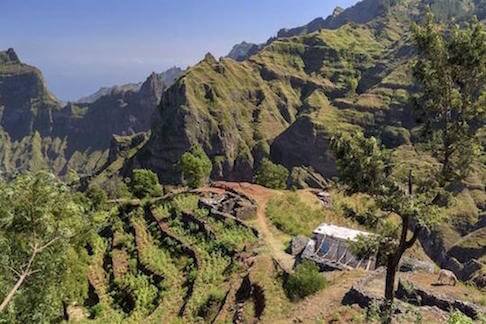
x: 210, y: 58
x: 9, y: 56
x: 244, y: 50
x: 338, y: 10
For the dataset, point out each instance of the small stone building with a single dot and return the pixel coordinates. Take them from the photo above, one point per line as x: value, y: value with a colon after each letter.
x: 329, y: 248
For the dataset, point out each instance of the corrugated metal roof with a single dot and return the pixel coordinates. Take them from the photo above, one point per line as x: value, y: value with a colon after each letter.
x: 339, y: 232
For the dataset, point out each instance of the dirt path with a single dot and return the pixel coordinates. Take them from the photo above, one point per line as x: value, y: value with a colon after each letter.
x: 262, y: 195
x: 328, y: 300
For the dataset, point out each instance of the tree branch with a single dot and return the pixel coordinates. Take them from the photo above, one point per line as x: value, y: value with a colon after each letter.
x: 14, y: 271
x: 26, y: 271
x: 45, y: 246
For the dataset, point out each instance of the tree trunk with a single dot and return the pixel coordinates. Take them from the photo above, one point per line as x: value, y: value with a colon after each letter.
x: 391, y: 271
x: 12, y: 292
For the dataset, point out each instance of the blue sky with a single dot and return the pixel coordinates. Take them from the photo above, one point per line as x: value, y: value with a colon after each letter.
x: 81, y: 45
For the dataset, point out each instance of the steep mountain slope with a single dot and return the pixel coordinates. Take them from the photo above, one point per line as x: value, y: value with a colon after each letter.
x: 374, y: 12
x: 25, y: 103
x: 286, y: 100
x: 38, y: 132
x: 350, y: 70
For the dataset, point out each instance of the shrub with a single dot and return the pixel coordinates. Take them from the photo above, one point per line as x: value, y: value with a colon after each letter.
x: 144, y: 183
x: 195, y: 167
x: 272, y: 175
x: 97, y: 197
x: 116, y: 188
x: 459, y: 318
x: 210, y: 307
x: 305, y: 281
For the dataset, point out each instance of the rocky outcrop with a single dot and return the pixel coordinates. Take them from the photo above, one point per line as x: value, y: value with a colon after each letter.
x: 306, y: 177
x: 359, y: 295
x: 120, y: 145
x: 9, y: 56
x: 303, y: 144
x: 40, y: 133
x: 412, y: 265
x: 25, y: 103
x: 243, y: 51
x: 421, y: 297
x: 434, y: 246
x: 297, y: 245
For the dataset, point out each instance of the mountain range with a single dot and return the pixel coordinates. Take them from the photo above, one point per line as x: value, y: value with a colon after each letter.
x: 39, y: 131
x: 283, y: 100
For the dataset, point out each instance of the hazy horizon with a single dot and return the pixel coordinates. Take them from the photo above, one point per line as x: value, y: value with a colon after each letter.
x: 81, y: 46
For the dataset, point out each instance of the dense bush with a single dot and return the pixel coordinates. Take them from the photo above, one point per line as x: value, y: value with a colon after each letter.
x: 144, y: 183
x: 271, y: 175
x: 195, y: 167
x: 305, y: 281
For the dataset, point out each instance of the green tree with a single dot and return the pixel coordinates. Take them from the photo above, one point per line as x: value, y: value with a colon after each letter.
x: 196, y: 167
x: 305, y: 281
x: 272, y: 175
x: 451, y: 71
x: 361, y: 161
x: 42, y: 227
x: 144, y: 183
x: 362, y: 164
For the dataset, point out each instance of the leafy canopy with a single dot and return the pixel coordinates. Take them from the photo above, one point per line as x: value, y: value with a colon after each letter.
x: 272, y: 175
x: 43, y: 226
x: 451, y: 72
x: 362, y: 164
x: 144, y: 183
x: 196, y: 167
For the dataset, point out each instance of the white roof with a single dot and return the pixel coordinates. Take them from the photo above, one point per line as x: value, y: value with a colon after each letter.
x: 339, y: 232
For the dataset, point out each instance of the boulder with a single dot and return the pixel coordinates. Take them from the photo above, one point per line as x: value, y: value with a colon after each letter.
x: 298, y: 244
x: 412, y: 265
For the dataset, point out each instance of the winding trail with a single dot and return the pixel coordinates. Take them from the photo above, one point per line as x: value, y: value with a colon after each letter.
x: 262, y: 195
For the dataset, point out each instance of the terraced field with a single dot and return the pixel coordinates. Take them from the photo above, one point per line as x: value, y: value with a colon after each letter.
x: 171, y: 260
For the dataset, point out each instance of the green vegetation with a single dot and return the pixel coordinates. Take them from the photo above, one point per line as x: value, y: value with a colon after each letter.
x: 361, y: 162
x: 272, y: 175
x: 305, y: 281
x: 290, y: 214
x: 196, y: 167
x: 43, y: 227
x: 410, y: 205
x: 459, y: 318
x: 451, y: 70
x: 144, y: 183
x: 300, y: 99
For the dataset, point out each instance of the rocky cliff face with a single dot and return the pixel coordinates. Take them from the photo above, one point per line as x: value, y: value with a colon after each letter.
x: 349, y: 71
x: 244, y: 51
x: 25, y: 103
x: 285, y: 102
x: 39, y: 132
